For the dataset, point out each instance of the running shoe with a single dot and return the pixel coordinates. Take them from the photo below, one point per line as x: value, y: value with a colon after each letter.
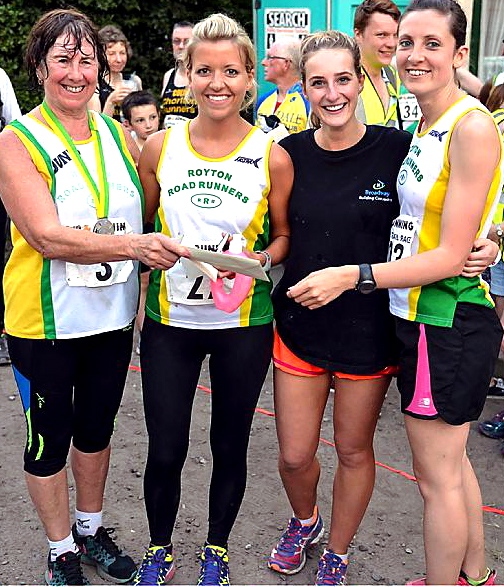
x: 157, y: 566
x: 331, y: 569
x: 496, y: 390
x: 462, y: 580
x: 289, y: 555
x: 493, y: 428
x: 101, y: 551
x: 65, y: 570
x: 214, y: 566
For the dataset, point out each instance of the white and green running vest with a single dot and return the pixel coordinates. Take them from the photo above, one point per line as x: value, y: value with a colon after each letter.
x: 201, y: 198
x: 52, y: 299
x: 422, y: 184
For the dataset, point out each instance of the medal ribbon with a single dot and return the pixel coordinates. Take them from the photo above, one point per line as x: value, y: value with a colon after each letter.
x: 99, y: 192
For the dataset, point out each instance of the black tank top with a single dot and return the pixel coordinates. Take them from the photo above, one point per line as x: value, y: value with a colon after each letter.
x: 340, y: 212
x: 174, y: 107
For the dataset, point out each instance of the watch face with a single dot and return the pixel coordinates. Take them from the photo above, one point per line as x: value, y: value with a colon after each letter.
x: 367, y: 286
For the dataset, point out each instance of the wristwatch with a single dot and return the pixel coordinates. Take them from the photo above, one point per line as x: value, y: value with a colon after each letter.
x: 267, y: 262
x: 366, y: 282
x: 499, y: 232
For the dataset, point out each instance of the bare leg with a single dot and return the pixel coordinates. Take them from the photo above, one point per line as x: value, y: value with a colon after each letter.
x: 90, y: 474
x: 357, y: 405
x: 439, y: 462
x: 499, y: 308
x: 474, y: 564
x: 299, y: 407
x: 50, y: 498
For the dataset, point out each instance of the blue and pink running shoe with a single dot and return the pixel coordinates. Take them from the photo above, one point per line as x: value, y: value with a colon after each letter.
x: 289, y: 555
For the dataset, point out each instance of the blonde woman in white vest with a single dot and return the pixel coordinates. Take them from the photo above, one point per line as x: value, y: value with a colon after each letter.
x: 204, y: 179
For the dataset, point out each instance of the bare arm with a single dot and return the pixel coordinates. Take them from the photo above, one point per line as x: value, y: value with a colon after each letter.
x: 281, y: 177
x: 147, y: 167
x: 469, y: 82
x: 29, y: 204
x: 474, y: 156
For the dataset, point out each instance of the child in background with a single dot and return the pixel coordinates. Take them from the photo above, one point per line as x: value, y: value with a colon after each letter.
x: 141, y: 115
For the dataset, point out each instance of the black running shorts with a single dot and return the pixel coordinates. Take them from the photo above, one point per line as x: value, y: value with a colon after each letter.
x: 445, y: 372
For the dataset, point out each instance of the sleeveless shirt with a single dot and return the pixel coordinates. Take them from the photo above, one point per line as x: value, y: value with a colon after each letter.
x: 422, y: 184
x: 174, y: 107
x: 200, y: 199
x: 49, y: 298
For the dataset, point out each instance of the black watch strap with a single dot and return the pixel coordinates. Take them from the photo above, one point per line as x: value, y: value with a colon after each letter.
x: 366, y: 283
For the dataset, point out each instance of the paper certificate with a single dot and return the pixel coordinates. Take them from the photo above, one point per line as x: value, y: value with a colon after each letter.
x: 242, y: 265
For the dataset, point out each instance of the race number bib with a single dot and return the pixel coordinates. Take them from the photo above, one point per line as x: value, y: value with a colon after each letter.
x: 185, y: 283
x: 402, y: 235
x: 410, y: 110
x: 101, y: 274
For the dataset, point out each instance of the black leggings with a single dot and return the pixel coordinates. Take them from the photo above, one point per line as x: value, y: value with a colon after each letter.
x: 71, y: 390
x: 171, y: 363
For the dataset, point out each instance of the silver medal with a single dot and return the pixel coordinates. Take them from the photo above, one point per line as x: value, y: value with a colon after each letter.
x: 103, y: 226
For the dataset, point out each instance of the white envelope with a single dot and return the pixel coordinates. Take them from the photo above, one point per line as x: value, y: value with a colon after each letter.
x: 243, y: 265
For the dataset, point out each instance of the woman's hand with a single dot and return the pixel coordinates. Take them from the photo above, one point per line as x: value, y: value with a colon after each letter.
x: 157, y: 251
x: 321, y: 287
x: 118, y: 95
x: 115, y: 98
x: 483, y: 254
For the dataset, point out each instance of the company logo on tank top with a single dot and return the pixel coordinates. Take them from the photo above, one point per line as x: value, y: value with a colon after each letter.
x: 60, y: 160
x: 206, y: 201
x: 249, y: 161
x: 438, y: 135
x: 377, y: 193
